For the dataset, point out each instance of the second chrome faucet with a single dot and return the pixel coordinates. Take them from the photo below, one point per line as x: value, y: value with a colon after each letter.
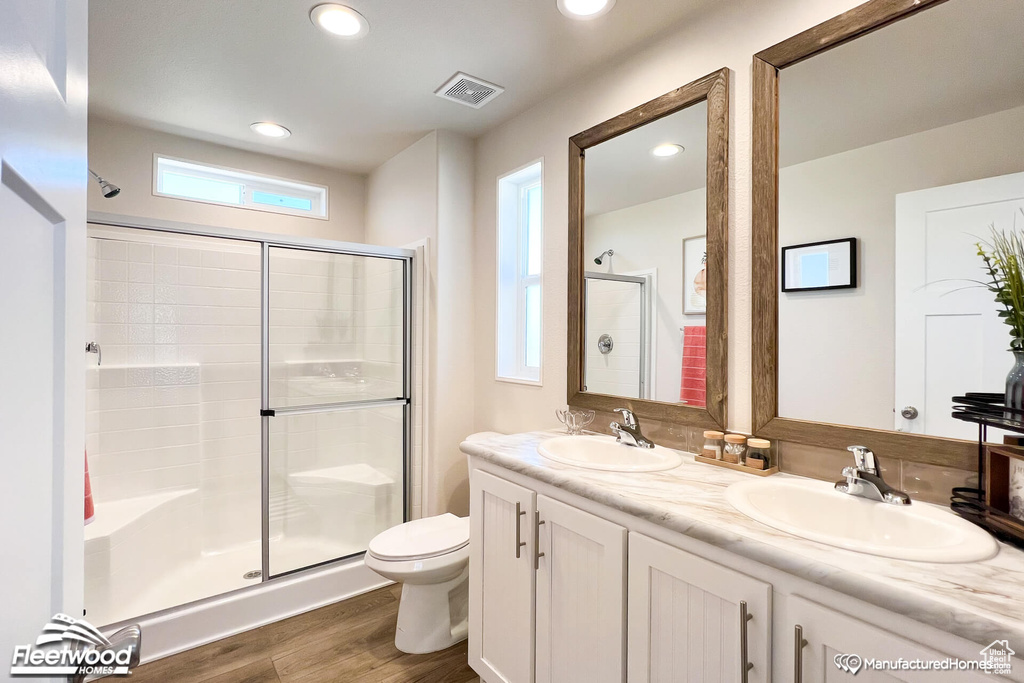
x: 864, y: 479
x: 628, y: 433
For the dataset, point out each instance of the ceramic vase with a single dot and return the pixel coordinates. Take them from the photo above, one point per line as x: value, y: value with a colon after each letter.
x: 1015, y: 387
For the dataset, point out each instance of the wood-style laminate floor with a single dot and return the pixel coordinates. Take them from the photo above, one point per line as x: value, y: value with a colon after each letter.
x: 352, y: 640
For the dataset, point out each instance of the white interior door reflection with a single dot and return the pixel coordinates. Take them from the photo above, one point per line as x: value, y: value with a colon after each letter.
x: 949, y: 337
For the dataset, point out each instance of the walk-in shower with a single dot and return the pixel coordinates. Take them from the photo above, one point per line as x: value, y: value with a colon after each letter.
x: 251, y: 414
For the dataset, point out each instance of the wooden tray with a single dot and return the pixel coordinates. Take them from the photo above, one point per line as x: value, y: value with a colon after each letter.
x: 734, y: 466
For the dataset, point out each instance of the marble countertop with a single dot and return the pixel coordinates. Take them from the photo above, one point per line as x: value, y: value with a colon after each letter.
x: 980, y: 601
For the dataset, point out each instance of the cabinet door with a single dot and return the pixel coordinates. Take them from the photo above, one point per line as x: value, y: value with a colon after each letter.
x: 834, y: 640
x: 685, y: 619
x: 501, y: 579
x: 580, y: 596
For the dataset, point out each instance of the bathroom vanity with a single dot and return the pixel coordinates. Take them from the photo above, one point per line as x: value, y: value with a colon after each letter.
x: 597, y: 576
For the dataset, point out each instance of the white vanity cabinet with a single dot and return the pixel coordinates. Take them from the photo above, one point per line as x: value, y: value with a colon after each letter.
x: 693, y: 620
x: 581, y: 596
x: 595, y: 595
x: 826, y: 634
x: 554, y: 612
x: 502, y: 579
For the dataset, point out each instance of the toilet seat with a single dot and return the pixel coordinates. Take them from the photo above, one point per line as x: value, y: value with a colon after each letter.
x: 421, y: 539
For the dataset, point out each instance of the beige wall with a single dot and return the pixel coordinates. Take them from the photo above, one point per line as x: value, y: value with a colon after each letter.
x: 426, y: 192
x: 844, y: 371
x: 724, y: 36
x: 123, y: 154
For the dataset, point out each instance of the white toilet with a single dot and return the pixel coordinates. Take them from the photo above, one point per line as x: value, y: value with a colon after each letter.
x: 430, y: 557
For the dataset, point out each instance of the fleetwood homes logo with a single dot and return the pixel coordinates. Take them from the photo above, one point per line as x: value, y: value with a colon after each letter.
x: 72, y: 647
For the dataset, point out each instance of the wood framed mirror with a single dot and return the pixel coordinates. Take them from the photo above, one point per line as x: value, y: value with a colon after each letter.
x: 869, y: 126
x: 648, y: 240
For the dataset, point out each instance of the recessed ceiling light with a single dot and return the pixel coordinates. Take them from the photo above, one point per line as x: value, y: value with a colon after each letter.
x: 271, y: 130
x: 585, y: 9
x: 339, y: 20
x: 667, y: 149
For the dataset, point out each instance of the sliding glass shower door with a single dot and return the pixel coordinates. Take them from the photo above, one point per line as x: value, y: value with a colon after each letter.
x: 336, y: 397
x: 248, y: 409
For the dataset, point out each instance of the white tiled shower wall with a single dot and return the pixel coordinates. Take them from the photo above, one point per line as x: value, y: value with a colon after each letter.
x: 613, y: 308
x: 175, y: 404
x: 178, y: 321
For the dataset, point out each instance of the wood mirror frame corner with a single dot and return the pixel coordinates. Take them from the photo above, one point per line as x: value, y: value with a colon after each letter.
x: 850, y: 25
x: 713, y: 88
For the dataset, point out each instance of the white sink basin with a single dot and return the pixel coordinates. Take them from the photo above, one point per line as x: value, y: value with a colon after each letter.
x: 603, y: 453
x: 816, y: 511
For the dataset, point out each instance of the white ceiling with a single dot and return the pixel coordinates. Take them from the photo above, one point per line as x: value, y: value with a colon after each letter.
x: 622, y: 171
x: 956, y: 61
x: 209, y: 68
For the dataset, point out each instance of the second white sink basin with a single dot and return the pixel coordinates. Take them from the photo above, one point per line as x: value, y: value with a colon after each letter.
x: 816, y: 511
x: 603, y: 453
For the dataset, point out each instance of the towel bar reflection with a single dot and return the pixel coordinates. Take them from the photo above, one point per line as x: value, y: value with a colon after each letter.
x: 93, y: 347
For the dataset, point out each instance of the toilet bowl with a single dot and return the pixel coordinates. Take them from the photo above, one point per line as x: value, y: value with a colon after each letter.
x: 430, y: 557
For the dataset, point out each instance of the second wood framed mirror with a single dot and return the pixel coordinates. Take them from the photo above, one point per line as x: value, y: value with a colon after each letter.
x: 894, y: 128
x: 648, y: 240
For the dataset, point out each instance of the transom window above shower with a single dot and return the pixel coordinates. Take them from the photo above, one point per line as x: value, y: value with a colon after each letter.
x: 189, y: 180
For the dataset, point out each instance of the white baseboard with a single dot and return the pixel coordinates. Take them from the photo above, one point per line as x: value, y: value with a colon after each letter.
x: 176, y: 630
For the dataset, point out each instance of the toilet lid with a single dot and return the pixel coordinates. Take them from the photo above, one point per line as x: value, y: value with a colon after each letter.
x: 422, y: 538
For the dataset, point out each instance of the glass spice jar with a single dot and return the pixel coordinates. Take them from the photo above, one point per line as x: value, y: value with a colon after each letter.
x: 759, y: 454
x: 713, y: 444
x: 735, y: 447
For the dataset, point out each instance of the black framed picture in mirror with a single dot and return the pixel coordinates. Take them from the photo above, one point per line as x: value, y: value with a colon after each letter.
x: 816, y: 266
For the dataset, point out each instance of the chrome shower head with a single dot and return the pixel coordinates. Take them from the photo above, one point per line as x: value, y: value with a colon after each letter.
x: 108, y: 189
x: 600, y: 259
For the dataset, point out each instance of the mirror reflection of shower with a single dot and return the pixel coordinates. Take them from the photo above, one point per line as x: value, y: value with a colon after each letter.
x: 600, y: 259
x: 109, y: 190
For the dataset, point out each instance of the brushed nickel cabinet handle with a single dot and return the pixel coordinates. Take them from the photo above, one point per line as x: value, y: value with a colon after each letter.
x: 536, y: 540
x: 519, y: 530
x: 798, y: 653
x: 745, y: 666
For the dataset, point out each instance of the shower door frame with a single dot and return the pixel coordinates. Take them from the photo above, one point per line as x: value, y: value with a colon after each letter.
x: 267, y: 241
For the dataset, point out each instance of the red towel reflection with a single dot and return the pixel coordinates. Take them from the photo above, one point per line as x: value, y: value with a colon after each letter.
x: 693, y: 385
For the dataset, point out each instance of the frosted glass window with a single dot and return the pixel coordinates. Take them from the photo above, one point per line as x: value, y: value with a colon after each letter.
x: 520, y: 264
x: 197, y: 182
x: 534, y: 237
x: 205, y: 189
x: 271, y: 199
x: 533, y: 326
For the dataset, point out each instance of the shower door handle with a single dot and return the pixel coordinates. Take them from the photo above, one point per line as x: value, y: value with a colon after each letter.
x: 93, y: 347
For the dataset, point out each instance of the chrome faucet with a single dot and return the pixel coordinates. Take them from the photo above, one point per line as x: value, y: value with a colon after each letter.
x: 864, y: 479
x: 629, y: 433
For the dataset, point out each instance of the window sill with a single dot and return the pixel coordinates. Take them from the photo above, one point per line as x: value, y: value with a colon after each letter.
x: 518, y: 380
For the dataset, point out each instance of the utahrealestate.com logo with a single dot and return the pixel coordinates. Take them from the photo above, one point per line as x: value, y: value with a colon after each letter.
x: 69, y: 647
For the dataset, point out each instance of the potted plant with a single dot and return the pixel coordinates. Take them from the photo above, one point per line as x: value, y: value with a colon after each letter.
x: 1004, y: 265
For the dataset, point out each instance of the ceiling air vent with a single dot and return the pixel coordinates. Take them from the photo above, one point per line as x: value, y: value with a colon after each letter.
x: 468, y: 90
